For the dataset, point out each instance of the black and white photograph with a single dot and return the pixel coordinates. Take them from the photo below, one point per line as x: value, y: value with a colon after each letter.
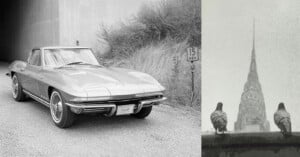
x: 250, y: 78
x: 105, y: 78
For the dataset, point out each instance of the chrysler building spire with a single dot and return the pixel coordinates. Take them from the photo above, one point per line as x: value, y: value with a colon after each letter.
x: 253, y: 42
x: 252, y: 112
x: 253, y: 71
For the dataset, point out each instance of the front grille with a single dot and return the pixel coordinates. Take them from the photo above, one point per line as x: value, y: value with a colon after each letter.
x: 124, y: 101
x: 87, y: 110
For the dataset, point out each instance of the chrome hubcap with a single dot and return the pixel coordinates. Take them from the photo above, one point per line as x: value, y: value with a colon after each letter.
x: 15, y: 86
x: 56, y: 107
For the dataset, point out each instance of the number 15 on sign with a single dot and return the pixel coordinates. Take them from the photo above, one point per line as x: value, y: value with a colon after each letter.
x: 192, y: 54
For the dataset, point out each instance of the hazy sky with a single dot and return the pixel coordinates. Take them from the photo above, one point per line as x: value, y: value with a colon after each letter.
x: 121, y: 10
x: 227, y: 44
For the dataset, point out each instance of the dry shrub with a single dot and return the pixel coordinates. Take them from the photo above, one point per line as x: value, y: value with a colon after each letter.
x: 155, y: 42
x: 175, y: 74
x: 176, y: 20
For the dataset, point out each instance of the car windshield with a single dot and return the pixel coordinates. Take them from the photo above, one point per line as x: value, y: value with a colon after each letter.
x: 69, y: 56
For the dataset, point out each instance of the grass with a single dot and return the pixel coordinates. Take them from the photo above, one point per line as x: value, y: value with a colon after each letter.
x: 167, y: 63
x: 155, y: 41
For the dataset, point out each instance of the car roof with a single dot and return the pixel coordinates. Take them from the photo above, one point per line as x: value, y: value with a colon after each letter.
x: 61, y: 47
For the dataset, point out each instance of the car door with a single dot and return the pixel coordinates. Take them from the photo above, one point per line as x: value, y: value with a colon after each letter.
x: 31, y: 72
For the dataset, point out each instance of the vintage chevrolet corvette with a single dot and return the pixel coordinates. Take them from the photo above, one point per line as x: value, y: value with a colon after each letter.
x: 70, y: 81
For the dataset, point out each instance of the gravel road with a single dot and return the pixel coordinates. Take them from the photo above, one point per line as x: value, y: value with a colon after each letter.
x: 26, y: 129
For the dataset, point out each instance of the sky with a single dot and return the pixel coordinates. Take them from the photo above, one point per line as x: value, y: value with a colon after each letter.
x: 122, y: 10
x: 108, y: 14
x: 226, y: 52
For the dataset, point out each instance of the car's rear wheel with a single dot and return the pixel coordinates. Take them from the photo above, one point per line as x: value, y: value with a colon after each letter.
x: 61, y: 114
x: 143, y: 113
x: 17, y: 89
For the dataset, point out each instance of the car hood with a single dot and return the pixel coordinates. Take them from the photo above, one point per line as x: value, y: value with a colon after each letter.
x: 101, y: 81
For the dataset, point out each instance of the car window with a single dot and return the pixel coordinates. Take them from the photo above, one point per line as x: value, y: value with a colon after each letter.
x: 62, y: 56
x: 35, y: 58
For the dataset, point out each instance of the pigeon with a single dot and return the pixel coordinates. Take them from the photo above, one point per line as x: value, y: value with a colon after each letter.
x: 219, y: 119
x: 282, y: 120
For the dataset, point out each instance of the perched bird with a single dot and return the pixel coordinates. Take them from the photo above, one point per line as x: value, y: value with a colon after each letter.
x: 219, y: 119
x: 282, y: 120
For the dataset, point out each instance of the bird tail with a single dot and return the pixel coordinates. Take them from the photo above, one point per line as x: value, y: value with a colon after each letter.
x: 287, y: 125
x: 223, y: 128
x: 287, y: 134
x: 287, y: 129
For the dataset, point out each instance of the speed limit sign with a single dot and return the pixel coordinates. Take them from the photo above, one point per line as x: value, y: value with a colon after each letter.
x: 192, y: 54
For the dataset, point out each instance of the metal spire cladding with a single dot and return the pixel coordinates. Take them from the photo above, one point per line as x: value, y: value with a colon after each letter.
x: 252, y: 111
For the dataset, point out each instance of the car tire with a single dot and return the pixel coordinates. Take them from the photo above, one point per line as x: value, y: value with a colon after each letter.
x: 17, y: 89
x: 61, y: 114
x: 143, y: 113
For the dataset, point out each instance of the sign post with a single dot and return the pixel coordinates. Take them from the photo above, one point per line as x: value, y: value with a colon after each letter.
x: 192, y: 56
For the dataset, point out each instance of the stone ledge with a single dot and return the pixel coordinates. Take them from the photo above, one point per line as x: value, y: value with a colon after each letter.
x: 245, y: 144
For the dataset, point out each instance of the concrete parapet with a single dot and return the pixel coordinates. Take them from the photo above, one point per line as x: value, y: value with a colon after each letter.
x: 251, y: 145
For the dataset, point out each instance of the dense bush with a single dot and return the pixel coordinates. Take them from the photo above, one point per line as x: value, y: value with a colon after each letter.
x: 166, y: 61
x: 176, y: 20
x: 156, y: 42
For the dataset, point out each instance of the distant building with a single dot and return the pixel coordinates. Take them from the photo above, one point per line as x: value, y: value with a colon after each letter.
x: 252, y: 111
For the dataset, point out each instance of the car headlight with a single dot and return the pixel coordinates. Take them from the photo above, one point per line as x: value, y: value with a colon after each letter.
x: 149, y: 94
x: 144, y: 77
x: 79, y: 99
x: 82, y: 99
x: 101, y: 98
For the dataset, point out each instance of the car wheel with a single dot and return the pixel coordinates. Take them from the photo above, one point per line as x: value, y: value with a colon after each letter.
x: 17, y: 89
x: 143, y: 113
x: 61, y: 114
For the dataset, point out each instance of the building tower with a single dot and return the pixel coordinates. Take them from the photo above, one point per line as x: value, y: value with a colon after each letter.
x: 252, y: 111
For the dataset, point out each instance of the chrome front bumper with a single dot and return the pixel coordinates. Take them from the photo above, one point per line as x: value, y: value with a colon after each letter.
x: 110, y: 108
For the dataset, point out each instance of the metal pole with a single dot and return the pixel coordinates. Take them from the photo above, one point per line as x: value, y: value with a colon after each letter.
x: 192, y: 76
x: 192, y: 69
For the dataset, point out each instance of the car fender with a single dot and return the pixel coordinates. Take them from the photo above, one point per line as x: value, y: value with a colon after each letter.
x: 17, y: 66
